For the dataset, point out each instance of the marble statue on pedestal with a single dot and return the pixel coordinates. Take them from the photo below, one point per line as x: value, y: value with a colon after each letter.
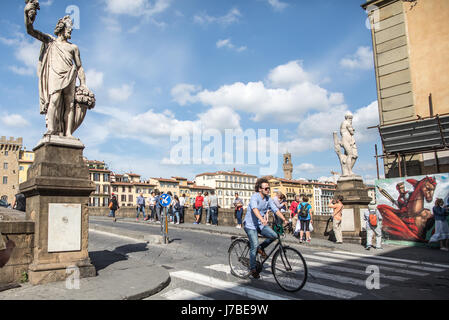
x: 64, y: 104
x: 347, y: 142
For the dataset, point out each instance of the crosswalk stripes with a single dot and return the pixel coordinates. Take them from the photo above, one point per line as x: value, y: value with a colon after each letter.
x: 353, y: 271
x: 232, y: 287
x: 446, y: 266
x: 357, y: 263
x: 183, y: 294
x: 310, y: 286
x: 379, y: 261
x: 322, y: 267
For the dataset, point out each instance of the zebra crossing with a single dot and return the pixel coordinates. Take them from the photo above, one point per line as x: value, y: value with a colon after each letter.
x: 332, y: 275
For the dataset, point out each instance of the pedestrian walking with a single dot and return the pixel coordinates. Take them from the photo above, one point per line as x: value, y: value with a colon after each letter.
x: 113, y: 207
x: 198, y: 208
x: 152, y: 205
x: 293, y: 212
x: 206, y: 207
x: 373, y: 220
x: 304, y: 213
x: 441, y: 234
x: 182, y: 202
x: 158, y: 205
x: 281, y: 203
x: 19, y: 202
x: 169, y: 209
x: 213, y: 207
x: 337, y: 205
x: 176, y: 209
x: 238, y: 208
x: 141, y: 207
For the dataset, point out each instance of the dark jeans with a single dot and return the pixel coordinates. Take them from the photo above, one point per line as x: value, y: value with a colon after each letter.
x: 139, y: 209
x: 181, y: 214
x: 153, y: 212
x: 214, y: 215
x: 238, y: 215
x: 266, y: 232
x: 158, y: 213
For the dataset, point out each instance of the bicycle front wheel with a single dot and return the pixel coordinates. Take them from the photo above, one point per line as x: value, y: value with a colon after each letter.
x: 238, y: 255
x: 289, y: 269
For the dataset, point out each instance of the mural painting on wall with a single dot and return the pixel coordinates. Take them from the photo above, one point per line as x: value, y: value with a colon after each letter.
x: 406, y: 205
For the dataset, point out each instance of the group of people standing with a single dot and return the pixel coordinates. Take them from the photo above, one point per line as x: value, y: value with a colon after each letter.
x: 174, y: 212
x: 210, y: 204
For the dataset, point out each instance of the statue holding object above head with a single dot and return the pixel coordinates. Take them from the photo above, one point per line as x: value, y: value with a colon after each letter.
x: 347, y: 142
x: 64, y: 104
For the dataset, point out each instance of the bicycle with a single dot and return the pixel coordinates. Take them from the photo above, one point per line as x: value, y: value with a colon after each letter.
x: 288, y: 265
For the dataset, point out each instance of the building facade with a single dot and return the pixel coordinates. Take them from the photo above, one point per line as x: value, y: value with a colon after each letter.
x: 9, y: 168
x: 127, y: 188
x: 26, y: 159
x: 292, y: 188
x: 323, y: 193
x: 410, y: 52
x: 226, y: 184
x: 101, y: 176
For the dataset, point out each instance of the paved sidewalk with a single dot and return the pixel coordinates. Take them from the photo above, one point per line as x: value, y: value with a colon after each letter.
x: 120, y: 279
x: 391, y: 250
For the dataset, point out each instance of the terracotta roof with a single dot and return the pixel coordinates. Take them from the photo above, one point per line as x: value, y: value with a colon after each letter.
x: 179, y: 178
x: 200, y: 187
x: 235, y: 173
x: 101, y: 170
x: 133, y: 175
x: 165, y: 180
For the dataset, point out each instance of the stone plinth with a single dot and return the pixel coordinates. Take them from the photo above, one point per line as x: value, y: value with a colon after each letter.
x: 355, y: 201
x: 18, y: 229
x: 57, y: 192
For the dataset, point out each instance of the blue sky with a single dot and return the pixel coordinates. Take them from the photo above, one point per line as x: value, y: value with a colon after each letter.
x: 163, y: 66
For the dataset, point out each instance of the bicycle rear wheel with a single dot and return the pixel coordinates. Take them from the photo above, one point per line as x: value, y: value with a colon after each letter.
x: 238, y: 256
x: 289, y: 269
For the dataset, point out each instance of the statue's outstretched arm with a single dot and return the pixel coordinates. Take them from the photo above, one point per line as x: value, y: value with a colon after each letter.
x: 35, y: 33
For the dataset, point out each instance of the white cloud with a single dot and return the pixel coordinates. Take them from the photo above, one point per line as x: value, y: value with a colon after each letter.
x: 182, y: 93
x: 26, y: 52
x: 94, y: 79
x: 288, y: 75
x: 220, y: 118
x: 46, y: 3
x: 309, y: 167
x: 121, y: 94
x: 14, y: 120
x: 231, y: 17
x: 278, y: 5
x: 226, y: 43
x: 288, y: 95
x: 363, y: 59
x: 137, y: 7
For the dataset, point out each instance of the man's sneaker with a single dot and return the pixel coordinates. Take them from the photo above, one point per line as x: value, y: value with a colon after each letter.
x: 255, y: 274
x: 208, y: 224
x: 177, y: 222
x: 444, y: 249
x: 195, y: 222
x: 262, y: 253
x: 379, y: 248
x: 368, y: 248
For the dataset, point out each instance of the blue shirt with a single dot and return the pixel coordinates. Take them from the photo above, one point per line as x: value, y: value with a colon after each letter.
x: 158, y: 204
x: 141, y: 201
x: 308, y: 208
x: 256, y: 202
x: 440, y: 213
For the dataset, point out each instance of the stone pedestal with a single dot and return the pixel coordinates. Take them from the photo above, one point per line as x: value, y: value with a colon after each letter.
x: 355, y: 201
x: 57, y: 192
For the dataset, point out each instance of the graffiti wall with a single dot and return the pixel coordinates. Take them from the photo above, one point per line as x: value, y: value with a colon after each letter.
x: 406, y: 205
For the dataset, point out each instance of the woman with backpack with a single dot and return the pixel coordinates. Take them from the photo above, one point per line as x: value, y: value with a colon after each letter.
x: 373, y: 226
x: 441, y: 234
x: 177, y: 209
x: 113, y: 206
x: 305, y: 219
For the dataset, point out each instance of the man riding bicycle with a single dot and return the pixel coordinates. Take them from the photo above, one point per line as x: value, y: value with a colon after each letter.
x: 256, y: 221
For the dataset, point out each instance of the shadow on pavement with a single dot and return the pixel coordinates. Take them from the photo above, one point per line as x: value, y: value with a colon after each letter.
x: 105, y: 258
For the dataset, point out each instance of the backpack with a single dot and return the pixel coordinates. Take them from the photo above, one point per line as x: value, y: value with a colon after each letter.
x: 177, y: 206
x: 111, y: 204
x: 303, y: 212
x: 372, y: 219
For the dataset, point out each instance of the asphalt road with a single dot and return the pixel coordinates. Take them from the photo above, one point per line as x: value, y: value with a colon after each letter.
x: 198, y: 265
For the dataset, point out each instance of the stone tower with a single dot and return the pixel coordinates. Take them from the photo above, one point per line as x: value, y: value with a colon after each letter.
x: 288, y: 166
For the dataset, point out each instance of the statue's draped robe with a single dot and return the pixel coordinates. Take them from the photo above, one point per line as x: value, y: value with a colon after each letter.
x: 56, y: 72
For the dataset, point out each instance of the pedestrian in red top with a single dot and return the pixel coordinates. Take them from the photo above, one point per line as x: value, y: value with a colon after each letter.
x: 293, y: 215
x: 198, y: 208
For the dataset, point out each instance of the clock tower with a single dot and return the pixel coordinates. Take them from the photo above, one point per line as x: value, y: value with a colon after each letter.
x: 288, y: 166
